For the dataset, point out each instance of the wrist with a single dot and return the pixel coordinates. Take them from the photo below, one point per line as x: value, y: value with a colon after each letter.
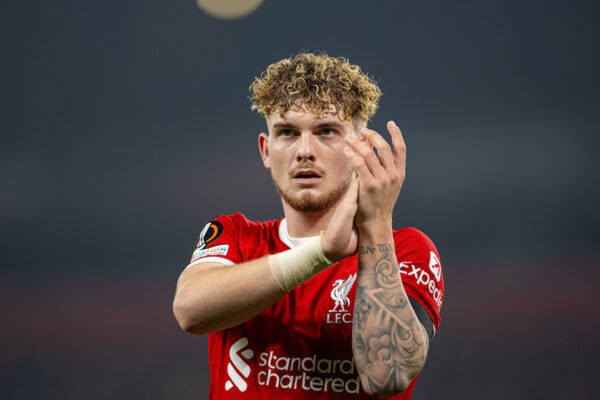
x: 374, y: 227
x: 332, y: 256
x: 292, y: 267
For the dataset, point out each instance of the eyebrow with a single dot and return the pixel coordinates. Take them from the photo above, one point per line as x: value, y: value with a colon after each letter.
x: 280, y: 125
x: 327, y: 124
x: 330, y: 124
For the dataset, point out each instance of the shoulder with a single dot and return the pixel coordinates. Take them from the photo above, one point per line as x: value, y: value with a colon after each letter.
x: 413, y: 246
x: 245, y: 226
x: 413, y: 237
x: 421, y: 270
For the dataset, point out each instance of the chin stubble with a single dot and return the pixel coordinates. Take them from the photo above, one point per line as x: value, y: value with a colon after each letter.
x: 311, y: 203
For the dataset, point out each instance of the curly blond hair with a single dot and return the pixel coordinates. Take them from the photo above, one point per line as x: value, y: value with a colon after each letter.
x: 316, y: 82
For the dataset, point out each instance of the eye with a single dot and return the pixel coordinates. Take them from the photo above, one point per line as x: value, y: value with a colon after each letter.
x: 286, y: 132
x: 327, y: 132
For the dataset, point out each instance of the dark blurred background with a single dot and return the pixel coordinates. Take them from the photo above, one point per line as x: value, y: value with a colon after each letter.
x: 125, y: 125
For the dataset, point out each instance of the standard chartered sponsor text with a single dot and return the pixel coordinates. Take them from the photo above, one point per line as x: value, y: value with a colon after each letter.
x: 307, y: 373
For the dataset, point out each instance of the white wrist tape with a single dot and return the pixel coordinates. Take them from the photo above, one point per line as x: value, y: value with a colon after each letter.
x: 292, y: 267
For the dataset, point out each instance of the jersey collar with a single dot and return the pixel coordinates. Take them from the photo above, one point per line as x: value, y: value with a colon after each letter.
x: 285, y: 237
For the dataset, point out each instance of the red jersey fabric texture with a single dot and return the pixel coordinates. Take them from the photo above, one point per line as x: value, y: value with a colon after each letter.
x: 300, y: 347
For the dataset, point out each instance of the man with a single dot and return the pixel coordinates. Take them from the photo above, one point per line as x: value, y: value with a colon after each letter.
x: 328, y: 302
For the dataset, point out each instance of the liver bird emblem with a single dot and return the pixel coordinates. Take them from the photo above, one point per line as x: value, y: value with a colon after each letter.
x: 340, y: 291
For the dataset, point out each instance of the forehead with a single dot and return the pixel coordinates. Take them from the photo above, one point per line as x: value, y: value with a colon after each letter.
x: 300, y: 116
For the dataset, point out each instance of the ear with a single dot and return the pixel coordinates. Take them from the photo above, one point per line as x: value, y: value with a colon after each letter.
x: 263, y: 148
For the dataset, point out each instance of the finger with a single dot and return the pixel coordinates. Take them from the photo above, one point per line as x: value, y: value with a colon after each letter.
x: 364, y: 149
x: 399, y: 147
x: 358, y: 163
x: 384, y: 150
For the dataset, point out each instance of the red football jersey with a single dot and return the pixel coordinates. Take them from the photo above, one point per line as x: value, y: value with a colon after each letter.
x: 300, y: 347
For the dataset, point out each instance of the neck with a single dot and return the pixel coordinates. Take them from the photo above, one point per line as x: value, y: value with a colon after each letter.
x: 305, y: 224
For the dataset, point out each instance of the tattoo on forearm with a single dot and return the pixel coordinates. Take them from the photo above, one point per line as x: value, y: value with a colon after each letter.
x: 387, y: 336
x: 365, y: 249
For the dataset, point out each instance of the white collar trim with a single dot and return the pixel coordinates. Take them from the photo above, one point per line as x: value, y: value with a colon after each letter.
x: 285, y: 237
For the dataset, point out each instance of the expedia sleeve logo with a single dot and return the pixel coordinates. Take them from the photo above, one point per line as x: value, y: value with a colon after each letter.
x: 434, y: 266
x: 209, y: 233
x: 425, y: 280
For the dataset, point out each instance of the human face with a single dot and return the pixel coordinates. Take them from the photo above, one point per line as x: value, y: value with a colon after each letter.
x: 305, y: 156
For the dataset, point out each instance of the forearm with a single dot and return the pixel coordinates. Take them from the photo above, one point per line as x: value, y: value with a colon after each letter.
x: 389, y: 343
x: 215, y: 297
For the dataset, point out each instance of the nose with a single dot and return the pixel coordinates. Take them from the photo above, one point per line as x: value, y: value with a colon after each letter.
x: 306, y: 148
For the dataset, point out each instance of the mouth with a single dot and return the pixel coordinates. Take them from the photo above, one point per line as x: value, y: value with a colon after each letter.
x: 307, y: 176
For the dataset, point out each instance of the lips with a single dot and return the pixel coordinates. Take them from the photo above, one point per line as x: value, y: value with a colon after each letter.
x: 306, y: 173
x: 307, y: 177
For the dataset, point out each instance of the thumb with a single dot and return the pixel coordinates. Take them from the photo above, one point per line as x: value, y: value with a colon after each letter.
x: 337, y: 240
x: 351, y: 195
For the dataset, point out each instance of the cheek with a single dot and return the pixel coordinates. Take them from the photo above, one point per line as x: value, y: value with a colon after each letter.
x: 342, y: 164
x: 277, y: 167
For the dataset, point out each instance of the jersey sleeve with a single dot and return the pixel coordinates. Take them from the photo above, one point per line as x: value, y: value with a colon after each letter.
x: 218, y: 242
x: 421, y: 273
